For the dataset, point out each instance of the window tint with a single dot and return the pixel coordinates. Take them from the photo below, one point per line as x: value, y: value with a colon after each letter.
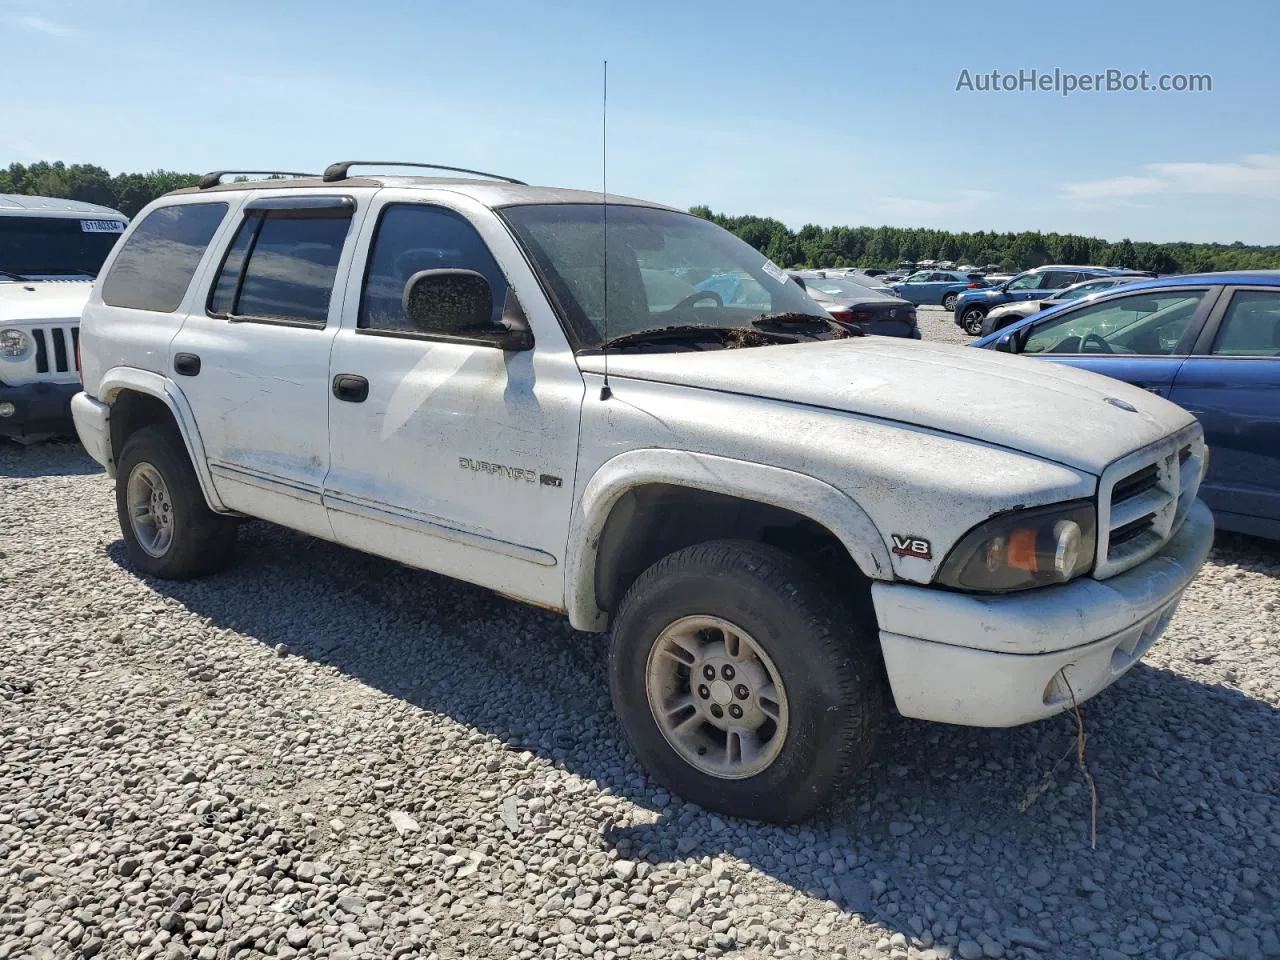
x: 1148, y: 324
x: 1251, y: 326
x: 56, y: 246
x: 1057, y: 279
x: 156, y: 264
x: 281, y: 266
x: 413, y: 237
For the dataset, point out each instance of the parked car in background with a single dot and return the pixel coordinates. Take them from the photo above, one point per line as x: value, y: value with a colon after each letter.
x: 972, y: 307
x: 50, y: 251
x: 1000, y: 317
x: 1208, y: 342
x: 937, y: 287
x: 853, y: 305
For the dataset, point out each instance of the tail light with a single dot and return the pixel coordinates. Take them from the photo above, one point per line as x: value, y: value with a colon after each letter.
x: 974, y: 286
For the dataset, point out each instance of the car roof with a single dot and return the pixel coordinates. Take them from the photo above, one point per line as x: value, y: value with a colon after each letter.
x: 491, y: 193
x: 22, y: 205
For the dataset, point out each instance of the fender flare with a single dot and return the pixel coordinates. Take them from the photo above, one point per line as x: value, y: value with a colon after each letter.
x: 797, y: 492
x: 165, y: 390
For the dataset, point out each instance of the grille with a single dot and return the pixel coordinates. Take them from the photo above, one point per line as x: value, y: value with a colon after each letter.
x: 56, y: 349
x: 1143, y: 498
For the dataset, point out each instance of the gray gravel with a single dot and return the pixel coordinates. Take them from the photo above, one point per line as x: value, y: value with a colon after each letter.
x: 323, y: 754
x: 939, y: 325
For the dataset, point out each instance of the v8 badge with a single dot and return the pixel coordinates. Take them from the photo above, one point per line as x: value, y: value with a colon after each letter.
x: 912, y: 547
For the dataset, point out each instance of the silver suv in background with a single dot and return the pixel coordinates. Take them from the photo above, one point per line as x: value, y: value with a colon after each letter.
x: 50, y: 251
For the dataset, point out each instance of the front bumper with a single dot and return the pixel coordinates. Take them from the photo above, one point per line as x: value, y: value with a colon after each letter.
x: 39, y: 409
x: 91, y: 424
x: 1004, y: 660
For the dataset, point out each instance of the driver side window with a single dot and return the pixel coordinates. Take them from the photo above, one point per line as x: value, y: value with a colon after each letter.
x: 412, y: 237
x: 1145, y: 324
x: 1028, y: 281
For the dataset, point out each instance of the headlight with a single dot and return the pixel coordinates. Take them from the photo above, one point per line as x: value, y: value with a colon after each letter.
x: 1028, y: 548
x: 14, y: 344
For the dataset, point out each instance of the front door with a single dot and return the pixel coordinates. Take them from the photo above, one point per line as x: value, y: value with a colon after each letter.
x: 453, y: 455
x: 1232, y: 385
x: 253, y: 356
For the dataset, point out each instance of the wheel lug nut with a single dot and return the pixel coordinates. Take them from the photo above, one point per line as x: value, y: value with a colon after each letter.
x: 727, y: 672
x: 735, y: 711
x: 717, y: 711
x: 703, y: 692
x: 741, y: 691
x: 709, y: 672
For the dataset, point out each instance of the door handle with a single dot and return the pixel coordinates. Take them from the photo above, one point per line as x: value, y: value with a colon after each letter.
x: 351, y: 388
x: 186, y: 364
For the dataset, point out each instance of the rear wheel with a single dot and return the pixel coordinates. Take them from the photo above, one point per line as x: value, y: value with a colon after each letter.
x: 169, y: 530
x: 949, y: 302
x: 972, y: 319
x: 742, y: 684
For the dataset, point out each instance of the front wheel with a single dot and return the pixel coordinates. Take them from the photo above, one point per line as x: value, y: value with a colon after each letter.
x: 972, y: 319
x: 949, y: 302
x: 742, y: 684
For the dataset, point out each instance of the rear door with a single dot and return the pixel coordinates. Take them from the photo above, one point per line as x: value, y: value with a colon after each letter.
x: 1141, y: 338
x: 1232, y: 385
x: 252, y: 357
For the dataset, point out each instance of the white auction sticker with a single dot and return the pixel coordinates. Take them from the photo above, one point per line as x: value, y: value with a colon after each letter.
x: 773, y: 270
x: 101, y: 226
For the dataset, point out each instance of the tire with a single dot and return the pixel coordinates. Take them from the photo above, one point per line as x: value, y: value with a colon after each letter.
x: 198, y: 541
x: 830, y: 692
x: 949, y: 302
x: 972, y: 319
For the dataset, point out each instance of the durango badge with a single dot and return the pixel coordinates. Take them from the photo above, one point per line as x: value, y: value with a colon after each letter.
x: 912, y: 547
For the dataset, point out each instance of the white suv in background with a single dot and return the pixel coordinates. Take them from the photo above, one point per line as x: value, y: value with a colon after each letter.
x: 782, y: 524
x: 50, y: 251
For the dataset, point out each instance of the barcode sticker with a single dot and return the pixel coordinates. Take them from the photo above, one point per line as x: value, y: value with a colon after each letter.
x: 101, y: 226
x: 773, y: 270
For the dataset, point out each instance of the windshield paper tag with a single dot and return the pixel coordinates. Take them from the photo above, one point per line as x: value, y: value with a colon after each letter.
x: 773, y: 270
x: 101, y: 226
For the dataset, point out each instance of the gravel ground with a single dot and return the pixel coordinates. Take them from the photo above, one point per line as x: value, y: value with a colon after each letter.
x: 324, y: 754
x: 940, y: 325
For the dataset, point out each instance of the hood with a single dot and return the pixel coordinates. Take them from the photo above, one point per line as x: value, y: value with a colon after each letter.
x: 1050, y: 411
x: 43, y: 299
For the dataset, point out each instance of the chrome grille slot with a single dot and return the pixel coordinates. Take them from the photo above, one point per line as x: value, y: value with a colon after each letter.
x: 1143, y: 498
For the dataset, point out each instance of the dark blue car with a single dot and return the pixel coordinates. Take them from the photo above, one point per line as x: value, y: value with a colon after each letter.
x: 970, y: 308
x: 1208, y: 342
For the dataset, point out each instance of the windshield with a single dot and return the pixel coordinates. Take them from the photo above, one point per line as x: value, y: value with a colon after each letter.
x: 56, y: 246
x: 664, y: 269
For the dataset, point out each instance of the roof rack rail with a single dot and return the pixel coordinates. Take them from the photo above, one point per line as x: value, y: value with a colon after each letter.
x: 215, y: 178
x: 339, y: 171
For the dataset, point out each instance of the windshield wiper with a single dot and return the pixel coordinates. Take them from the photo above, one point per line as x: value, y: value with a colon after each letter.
x: 692, y: 331
x: 12, y: 276
x: 60, y: 271
x: 793, y: 319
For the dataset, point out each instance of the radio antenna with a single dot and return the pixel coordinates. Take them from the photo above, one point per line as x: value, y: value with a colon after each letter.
x: 605, y: 391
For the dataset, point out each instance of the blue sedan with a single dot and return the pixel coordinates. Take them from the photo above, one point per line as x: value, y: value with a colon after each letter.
x: 938, y: 287
x: 1209, y: 342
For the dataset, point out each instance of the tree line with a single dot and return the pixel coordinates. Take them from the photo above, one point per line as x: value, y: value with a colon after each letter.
x: 810, y: 246
x: 885, y: 247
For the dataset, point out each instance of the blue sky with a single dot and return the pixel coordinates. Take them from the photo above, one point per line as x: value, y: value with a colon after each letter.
x: 820, y: 111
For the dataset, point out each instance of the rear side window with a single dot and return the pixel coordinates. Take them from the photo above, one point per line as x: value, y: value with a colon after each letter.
x: 1251, y: 327
x: 156, y: 264
x: 281, y: 266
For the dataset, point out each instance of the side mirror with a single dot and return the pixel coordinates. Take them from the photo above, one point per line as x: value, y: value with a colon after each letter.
x: 1008, y: 343
x: 459, y: 303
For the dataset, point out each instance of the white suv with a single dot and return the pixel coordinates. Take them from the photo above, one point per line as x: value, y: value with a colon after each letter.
x: 50, y: 251
x: 782, y: 525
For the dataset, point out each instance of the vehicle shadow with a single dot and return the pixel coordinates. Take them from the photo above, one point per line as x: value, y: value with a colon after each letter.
x: 57, y: 456
x: 950, y: 831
